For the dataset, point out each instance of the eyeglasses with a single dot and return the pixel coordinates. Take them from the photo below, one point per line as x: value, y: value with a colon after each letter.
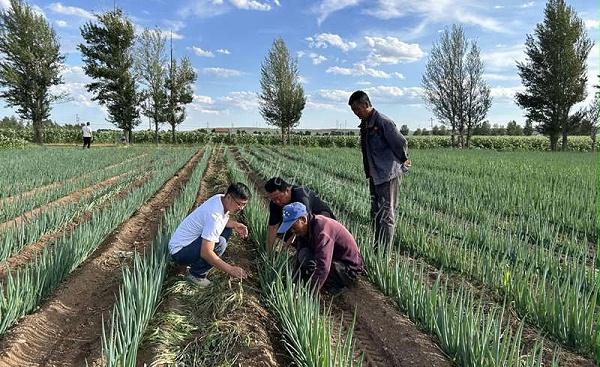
x: 239, y: 206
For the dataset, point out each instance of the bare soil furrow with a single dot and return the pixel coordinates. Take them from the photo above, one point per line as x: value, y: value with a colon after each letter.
x: 262, y: 347
x: 386, y: 337
x: 29, y: 252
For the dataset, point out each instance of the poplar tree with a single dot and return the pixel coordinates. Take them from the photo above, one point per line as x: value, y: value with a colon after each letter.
x: 555, y: 72
x: 30, y: 63
x: 454, y: 87
x: 108, y: 59
x: 282, y: 98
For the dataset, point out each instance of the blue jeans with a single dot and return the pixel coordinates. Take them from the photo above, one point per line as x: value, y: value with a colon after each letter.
x: 190, y: 254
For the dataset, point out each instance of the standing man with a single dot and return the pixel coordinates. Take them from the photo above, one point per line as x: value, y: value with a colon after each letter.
x: 201, y: 238
x: 385, y: 159
x: 86, y: 131
x: 328, y: 256
x: 281, y: 194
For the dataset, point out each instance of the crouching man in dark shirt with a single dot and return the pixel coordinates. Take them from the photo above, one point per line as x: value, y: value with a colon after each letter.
x: 281, y: 194
x: 328, y: 251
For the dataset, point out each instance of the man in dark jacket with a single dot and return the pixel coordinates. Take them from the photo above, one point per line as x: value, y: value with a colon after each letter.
x: 328, y: 256
x: 281, y: 194
x: 385, y: 159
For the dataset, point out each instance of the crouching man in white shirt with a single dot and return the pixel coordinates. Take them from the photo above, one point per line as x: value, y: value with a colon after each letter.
x: 201, y: 238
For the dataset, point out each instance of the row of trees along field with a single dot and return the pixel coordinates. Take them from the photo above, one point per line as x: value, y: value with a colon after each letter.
x: 554, y: 76
x: 114, y: 57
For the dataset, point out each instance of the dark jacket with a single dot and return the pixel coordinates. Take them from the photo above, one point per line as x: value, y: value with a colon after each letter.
x: 330, y: 240
x: 383, y: 147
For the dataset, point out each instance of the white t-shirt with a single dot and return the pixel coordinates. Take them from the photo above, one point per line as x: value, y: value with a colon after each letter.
x: 206, y: 221
x: 87, y: 131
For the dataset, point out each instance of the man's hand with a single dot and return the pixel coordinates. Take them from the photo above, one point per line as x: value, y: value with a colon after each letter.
x: 241, y: 229
x: 238, y: 272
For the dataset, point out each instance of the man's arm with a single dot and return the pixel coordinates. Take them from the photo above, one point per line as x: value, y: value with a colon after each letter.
x: 238, y: 227
x: 207, y: 252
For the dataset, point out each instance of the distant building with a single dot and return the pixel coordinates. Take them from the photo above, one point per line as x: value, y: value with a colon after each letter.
x: 221, y: 130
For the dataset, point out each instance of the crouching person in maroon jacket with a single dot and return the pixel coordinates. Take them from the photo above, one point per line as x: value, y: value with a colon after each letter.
x: 328, y: 256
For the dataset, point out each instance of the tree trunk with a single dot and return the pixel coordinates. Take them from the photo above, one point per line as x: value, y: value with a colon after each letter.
x: 173, y: 135
x: 453, y: 142
x: 468, y: 143
x: 554, y: 143
x: 37, y: 131
x: 565, y: 143
x: 156, y: 133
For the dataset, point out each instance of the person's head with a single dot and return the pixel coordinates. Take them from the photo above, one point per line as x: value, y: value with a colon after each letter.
x: 236, y: 197
x: 280, y: 192
x: 360, y: 104
x: 87, y: 123
x: 295, y: 219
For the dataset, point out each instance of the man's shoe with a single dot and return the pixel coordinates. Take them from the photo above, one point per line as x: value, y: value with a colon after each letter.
x: 199, y: 281
x: 335, y: 291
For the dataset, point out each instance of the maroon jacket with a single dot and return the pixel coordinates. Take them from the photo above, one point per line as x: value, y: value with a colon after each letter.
x: 330, y: 240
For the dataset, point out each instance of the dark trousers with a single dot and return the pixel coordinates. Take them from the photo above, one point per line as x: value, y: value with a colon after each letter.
x: 86, y: 142
x: 340, y: 275
x: 190, y: 254
x: 383, y: 202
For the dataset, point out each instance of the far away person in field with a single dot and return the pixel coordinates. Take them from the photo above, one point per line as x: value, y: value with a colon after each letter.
x: 201, y: 238
x: 86, y: 132
x: 328, y: 255
x: 281, y: 194
x: 385, y: 159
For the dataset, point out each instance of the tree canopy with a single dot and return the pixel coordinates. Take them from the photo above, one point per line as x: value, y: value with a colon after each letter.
x: 454, y: 87
x: 30, y: 63
x: 555, y: 72
x: 108, y: 59
x: 282, y: 97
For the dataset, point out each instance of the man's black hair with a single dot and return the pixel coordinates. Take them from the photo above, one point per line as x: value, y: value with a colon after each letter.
x: 359, y: 95
x: 239, y: 191
x: 276, y: 183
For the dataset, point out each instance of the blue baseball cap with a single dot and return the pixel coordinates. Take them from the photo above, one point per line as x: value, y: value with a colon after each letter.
x: 291, y: 213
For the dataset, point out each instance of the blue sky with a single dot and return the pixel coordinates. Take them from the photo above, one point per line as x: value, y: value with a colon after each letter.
x: 379, y: 46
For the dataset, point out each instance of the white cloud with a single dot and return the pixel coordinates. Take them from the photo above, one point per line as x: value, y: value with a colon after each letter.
x: 223, y: 51
x: 203, y: 99
x: 59, y: 8
x: 324, y: 39
x: 168, y: 34
x: 202, y: 53
x: 528, y: 5
x: 391, y: 50
x: 501, y: 77
x: 61, y: 23
x: 360, y: 69
x: 445, y: 11
x: 4, y: 4
x: 250, y: 5
x: 378, y: 95
x: 505, y: 57
x: 317, y: 59
x: 505, y: 94
x: 327, y: 7
x: 243, y: 100
x: 221, y: 72
x: 591, y: 24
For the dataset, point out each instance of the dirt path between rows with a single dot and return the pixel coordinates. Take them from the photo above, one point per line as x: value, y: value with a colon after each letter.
x: 67, y: 329
x: 385, y: 336
x: 263, y: 347
x: 27, y: 253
